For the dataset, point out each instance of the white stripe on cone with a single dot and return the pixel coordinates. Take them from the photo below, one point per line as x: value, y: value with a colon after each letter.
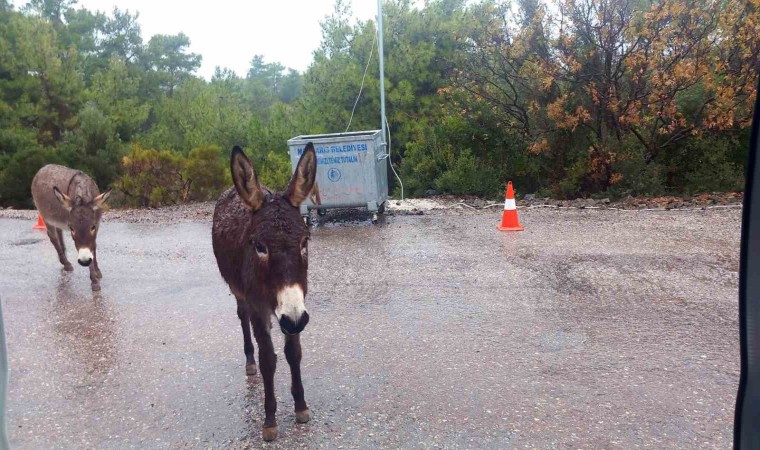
x: 509, y: 204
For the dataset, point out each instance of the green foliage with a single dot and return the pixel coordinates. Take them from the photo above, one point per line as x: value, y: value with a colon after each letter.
x: 636, y: 177
x: 714, y: 164
x: 81, y: 88
x: 468, y: 176
x: 122, y: 38
x: 275, y: 172
x: 268, y: 81
x: 115, y: 90
x: 477, y: 93
x: 422, y: 166
x: 93, y: 146
x: 17, y: 173
x: 166, y: 56
x: 207, y: 172
x: 158, y: 178
x: 441, y: 166
x: 152, y: 177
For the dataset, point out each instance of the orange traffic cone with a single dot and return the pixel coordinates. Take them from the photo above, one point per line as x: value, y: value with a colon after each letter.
x: 509, y: 220
x: 40, y: 224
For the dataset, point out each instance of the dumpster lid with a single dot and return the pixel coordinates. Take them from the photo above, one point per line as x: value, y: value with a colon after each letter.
x: 335, y: 137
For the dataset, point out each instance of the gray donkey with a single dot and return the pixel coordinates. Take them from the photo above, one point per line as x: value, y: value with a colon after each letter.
x: 67, y: 198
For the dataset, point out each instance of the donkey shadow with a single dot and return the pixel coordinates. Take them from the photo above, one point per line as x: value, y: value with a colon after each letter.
x: 84, y: 327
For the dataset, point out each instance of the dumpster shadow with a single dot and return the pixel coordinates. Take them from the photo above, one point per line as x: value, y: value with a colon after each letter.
x: 346, y: 217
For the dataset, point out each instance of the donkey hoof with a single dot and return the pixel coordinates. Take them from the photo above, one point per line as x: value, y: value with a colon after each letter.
x: 250, y: 369
x: 68, y: 267
x: 95, y: 287
x: 269, y: 433
x: 303, y: 416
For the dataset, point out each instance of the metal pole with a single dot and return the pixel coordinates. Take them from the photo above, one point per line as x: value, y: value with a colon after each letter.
x: 382, y: 71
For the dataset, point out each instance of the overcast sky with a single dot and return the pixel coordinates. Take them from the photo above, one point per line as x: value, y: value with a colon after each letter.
x: 228, y: 33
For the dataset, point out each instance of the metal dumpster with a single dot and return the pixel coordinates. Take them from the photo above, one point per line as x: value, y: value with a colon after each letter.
x: 352, y: 170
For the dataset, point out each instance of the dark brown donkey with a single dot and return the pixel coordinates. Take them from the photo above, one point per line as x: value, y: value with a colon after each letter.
x: 260, y: 243
x: 67, y: 198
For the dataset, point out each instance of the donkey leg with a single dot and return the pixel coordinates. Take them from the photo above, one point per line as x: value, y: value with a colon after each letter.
x: 268, y: 363
x: 98, y: 273
x: 94, y: 280
x: 245, y: 324
x: 293, y: 355
x: 56, y: 237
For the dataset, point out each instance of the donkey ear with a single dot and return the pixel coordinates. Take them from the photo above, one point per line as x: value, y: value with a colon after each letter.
x: 302, y: 183
x: 100, y: 199
x: 245, y: 179
x: 63, y: 198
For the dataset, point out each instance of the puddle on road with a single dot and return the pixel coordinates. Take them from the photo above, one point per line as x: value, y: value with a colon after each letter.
x: 26, y: 241
x: 561, y: 340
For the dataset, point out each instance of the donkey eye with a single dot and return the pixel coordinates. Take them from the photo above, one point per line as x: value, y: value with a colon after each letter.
x: 261, y: 249
x: 92, y: 228
x: 71, y: 229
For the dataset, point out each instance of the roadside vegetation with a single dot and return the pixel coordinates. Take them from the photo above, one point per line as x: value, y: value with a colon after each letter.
x: 568, y: 98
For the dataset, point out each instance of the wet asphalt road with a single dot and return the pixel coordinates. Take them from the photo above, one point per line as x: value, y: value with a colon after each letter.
x: 591, y: 329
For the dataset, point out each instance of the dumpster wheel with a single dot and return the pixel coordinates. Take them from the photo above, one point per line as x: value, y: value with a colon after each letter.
x: 380, y: 211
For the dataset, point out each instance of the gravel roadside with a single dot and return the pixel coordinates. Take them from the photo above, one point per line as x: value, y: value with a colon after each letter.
x: 203, y: 211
